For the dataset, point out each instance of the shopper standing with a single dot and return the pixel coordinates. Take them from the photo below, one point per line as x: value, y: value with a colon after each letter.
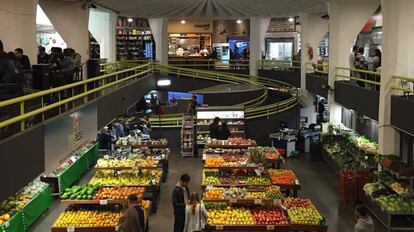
x: 22, y: 59
x: 195, y: 214
x: 364, y: 221
x: 42, y: 56
x: 214, y: 128
x: 180, y: 198
x: 191, y: 108
x: 133, y: 219
x: 224, y: 132
x: 361, y: 63
x: 352, y: 59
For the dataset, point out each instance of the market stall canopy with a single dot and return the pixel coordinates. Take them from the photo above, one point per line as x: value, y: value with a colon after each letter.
x: 213, y: 8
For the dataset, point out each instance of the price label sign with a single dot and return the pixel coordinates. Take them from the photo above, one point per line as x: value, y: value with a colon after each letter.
x: 70, y: 229
x: 270, y: 227
x: 116, y: 228
x: 219, y: 227
x: 6, y: 224
x: 258, y: 201
x: 296, y: 182
x: 103, y: 202
x: 233, y: 200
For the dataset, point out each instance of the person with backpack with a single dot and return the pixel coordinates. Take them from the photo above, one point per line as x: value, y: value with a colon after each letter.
x: 195, y: 214
x: 180, y: 198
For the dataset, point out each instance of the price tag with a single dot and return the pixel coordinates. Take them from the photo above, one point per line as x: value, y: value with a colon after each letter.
x: 258, y: 201
x: 233, y: 200
x: 219, y: 228
x: 277, y: 202
x: 103, y: 202
x: 270, y: 227
x: 6, y: 224
x: 116, y: 228
x: 209, y: 187
x: 296, y: 182
x: 70, y: 229
x: 73, y: 158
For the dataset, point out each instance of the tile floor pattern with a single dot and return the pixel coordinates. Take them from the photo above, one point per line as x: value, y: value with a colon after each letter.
x: 319, y: 183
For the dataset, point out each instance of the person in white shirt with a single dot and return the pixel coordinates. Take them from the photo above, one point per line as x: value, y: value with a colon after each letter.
x: 195, y: 214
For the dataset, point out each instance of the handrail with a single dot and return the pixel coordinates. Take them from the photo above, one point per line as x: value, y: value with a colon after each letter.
x: 404, y: 80
x: 310, y: 67
x: 253, y: 108
x: 278, y: 64
x: 377, y: 74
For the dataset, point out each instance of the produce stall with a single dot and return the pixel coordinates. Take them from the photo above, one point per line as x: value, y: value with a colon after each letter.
x: 390, y: 198
x: 73, y: 168
x: 233, y: 116
x: 19, y: 212
x: 231, y: 143
x: 132, y: 142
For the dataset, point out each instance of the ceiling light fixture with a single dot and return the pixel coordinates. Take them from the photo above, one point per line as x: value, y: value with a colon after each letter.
x: 183, y: 22
x: 130, y: 20
x: 291, y: 19
x: 238, y: 21
x: 164, y: 82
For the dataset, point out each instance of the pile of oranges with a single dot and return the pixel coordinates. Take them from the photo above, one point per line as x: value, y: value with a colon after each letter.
x: 215, y: 162
x: 88, y: 218
x: 282, y: 176
x: 214, y: 194
x: 118, y: 193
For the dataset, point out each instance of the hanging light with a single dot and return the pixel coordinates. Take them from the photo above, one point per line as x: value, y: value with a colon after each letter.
x: 239, y: 21
x: 183, y: 22
x: 291, y: 19
x: 130, y: 20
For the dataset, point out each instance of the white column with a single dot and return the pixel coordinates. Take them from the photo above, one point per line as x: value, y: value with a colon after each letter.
x: 159, y: 28
x: 397, y: 58
x: 313, y: 29
x: 347, y: 18
x: 18, y: 26
x: 101, y: 26
x: 70, y: 19
x: 258, y: 29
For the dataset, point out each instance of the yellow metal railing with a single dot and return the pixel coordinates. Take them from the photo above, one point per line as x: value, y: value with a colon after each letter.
x: 107, y: 68
x: 209, y: 64
x: 365, y: 76
x: 317, y: 68
x: 279, y: 65
x: 69, y: 94
x: 404, y: 84
x: 85, y: 91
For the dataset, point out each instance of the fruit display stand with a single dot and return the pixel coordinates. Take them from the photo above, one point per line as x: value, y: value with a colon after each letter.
x: 37, y: 206
x: 285, y: 179
x: 14, y: 224
x: 129, y: 142
x: 74, y: 172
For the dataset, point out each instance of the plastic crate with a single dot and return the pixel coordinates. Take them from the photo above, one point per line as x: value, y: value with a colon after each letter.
x: 348, y: 186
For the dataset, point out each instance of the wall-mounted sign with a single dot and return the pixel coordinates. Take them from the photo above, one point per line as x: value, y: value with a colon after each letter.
x: 190, y: 26
x: 281, y: 25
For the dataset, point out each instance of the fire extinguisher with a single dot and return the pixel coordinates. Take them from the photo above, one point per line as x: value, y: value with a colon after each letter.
x: 310, y: 51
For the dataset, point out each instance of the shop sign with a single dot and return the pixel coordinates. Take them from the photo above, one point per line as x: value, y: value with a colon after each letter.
x: 281, y: 25
x: 190, y: 26
x: 205, y: 26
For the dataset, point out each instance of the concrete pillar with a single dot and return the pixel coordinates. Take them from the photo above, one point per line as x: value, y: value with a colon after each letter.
x: 102, y: 25
x: 313, y: 29
x: 397, y: 58
x: 18, y: 26
x: 159, y: 28
x: 258, y: 29
x: 346, y: 19
x: 70, y: 19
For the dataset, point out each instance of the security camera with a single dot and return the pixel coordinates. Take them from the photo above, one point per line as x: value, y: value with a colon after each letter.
x: 89, y: 4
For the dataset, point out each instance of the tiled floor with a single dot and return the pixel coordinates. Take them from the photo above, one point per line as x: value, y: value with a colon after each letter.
x: 318, y: 181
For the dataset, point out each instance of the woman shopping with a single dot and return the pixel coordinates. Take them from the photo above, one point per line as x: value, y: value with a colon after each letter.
x: 195, y: 214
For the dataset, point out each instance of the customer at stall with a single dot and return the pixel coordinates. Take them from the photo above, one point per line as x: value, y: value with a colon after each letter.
x: 133, y: 219
x: 191, y: 109
x: 214, y: 128
x: 119, y: 129
x: 361, y: 63
x: 352, y: 59
x: 195, y: 214
x: 22, y: 59
x: 42, y: 56
x: 223, y: 132
x: 364, y: 221
x: 146, y: 125
x: 180, y: 198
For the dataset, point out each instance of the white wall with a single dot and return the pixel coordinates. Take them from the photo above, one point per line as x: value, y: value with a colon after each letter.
x: 18, y: 26
x: 70, y: 19
x: 159, y: 28
x: 102, y: 27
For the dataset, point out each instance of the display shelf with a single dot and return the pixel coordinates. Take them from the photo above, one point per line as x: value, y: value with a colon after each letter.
x: 232, y: 167
x: 144, y: 146
x: 14, y: 224
x: 94, y: 202
x: 128, y: 168
x: 263, y: 201
x: 231, y: 146
x: 248, y: 228
x: 84, y: 229
x: 36, y: 207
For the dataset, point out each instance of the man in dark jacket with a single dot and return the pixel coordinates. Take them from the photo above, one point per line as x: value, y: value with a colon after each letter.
x: 23, y: 59
x: 133, y: 219
x: 8, y: 70
x: 180, y: 197
x: 43, y: 57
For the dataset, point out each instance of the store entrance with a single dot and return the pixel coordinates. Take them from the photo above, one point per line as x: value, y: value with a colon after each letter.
x: 279, y: 49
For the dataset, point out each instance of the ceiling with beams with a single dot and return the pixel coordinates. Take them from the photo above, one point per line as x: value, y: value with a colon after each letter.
x: 213, y: 8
